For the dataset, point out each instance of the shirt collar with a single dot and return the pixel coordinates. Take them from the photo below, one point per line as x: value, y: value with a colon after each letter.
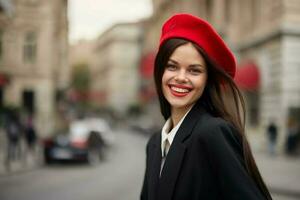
x: 167, y: 134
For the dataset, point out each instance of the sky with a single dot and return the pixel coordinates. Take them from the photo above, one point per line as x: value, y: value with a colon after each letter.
x: 89, y: 18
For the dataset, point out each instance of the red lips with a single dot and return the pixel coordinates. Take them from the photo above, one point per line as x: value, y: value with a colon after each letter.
x: 180, y: 93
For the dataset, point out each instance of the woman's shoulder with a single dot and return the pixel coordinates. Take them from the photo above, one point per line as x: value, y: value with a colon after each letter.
x: 219, y: 137
x: 215, y: 130
x: 210, y: 122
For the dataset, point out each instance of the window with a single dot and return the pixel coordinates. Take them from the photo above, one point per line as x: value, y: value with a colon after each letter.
x: 1, y: 45
x: 253, y: 107
x: 209, y: 10
x: 228, y: 13
x: 30, y: 2
x: 29, y: 101
x: 30, y: 48
x: 253, y: 14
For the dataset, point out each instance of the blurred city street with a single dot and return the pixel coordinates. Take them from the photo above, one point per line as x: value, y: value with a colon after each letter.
x: 120, y: 175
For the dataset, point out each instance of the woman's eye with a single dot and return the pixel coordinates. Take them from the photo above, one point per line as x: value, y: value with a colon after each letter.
x: 195, y: 71
x: 171, y: 67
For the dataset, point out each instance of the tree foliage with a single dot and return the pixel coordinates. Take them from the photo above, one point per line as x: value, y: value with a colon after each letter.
x: 81, y: 77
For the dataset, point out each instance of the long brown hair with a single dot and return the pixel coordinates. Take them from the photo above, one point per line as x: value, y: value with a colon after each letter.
x: 221, y: 98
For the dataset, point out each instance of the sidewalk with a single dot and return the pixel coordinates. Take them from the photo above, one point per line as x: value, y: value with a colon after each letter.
x: 280, y: 172
x: 28, y: 160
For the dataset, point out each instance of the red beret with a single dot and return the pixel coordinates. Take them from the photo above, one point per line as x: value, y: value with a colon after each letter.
x: 199, y: 31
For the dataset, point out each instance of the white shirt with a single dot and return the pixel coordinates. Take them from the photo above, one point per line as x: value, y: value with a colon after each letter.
x: 169, y: 135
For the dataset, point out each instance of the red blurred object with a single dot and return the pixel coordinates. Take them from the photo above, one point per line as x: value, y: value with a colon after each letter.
x: 147, y: 94
x: 76, y: 95
x: 98, y: 95
x: 147, y: 65
x: 247, y: 76
x: 4, y: 80
x: 48, y: 142
x: 81, y: 144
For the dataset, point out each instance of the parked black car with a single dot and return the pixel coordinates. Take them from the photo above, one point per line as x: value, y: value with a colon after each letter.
x: 86, y: 141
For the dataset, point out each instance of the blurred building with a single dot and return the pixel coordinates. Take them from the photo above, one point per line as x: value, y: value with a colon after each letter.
x: 265, y: 37
x: 33, y: 56
x: 82, y: 52
x: 115, y: 68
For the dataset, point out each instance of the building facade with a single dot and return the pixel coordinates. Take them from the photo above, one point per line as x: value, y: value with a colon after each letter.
x: 33, y: 56
x: 265, y: 37
x: 116, y: 66
x: 82, y: 52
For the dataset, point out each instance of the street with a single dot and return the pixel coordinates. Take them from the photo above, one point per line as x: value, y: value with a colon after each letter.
x: 120, y: 176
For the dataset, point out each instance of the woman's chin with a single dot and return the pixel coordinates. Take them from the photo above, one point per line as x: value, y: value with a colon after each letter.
x: 179, y: 104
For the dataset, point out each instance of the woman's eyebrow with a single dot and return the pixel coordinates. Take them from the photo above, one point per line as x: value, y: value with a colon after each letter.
x: 192, y: 65
x: 175, y: 62
x: 197, y: 65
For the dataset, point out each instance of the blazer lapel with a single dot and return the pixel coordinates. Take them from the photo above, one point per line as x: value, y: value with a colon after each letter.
x: 175, y: 155
x: 154, y: 168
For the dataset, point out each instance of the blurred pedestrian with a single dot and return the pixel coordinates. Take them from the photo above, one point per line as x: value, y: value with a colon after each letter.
x: 292, y: 136
x: 30, y: 133
x: 202, y: 151
x: 272, y: 137
x: 13, y: 130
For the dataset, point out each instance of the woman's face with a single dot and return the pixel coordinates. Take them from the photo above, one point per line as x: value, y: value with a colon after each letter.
x: 184, y: 78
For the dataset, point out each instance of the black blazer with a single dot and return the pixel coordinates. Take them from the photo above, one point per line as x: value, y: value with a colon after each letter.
x: 205, y: 161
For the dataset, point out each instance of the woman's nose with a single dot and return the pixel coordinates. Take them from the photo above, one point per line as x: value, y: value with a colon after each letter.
x: 181, y: 76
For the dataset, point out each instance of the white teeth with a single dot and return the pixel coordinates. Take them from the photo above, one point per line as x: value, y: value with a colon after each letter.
x: 176, y: 89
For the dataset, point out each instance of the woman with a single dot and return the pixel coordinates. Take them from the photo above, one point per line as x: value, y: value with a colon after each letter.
x: 202, y: 151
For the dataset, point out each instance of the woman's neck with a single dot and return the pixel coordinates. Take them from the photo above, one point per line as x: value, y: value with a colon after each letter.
x: 177, y: 114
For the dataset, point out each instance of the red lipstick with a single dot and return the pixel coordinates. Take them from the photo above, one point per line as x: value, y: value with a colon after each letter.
x: 179, y: 94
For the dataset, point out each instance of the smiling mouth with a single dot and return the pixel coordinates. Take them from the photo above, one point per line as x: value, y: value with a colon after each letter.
x: 179, y: 91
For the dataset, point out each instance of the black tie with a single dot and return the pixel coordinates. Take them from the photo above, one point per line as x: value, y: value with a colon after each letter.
x: 165, y: 152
